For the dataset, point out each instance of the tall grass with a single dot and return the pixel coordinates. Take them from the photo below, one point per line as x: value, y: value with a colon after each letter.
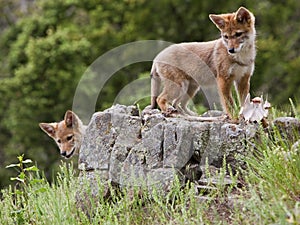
x: 273, y: 178
x: 266, y: 192
x: 41, y: 202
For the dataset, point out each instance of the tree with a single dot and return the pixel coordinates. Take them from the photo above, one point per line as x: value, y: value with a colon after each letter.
x: 45, y: 51
x: 45, y: 60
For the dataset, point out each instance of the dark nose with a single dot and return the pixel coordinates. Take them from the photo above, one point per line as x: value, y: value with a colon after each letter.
x: 63, y: 153
x: 231, y: 50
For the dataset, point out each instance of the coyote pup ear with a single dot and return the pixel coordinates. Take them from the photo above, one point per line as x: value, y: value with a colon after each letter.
x: 48, y: 128
x: 243, y: 15
x: 218, y: 21
x: 71, y: 119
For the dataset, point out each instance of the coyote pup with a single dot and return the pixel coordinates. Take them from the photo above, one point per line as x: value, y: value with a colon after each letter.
x: 185, y: 67
x: 67, y: 133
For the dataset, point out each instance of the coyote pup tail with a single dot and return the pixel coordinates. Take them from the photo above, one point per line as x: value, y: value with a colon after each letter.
x: 155, y: 86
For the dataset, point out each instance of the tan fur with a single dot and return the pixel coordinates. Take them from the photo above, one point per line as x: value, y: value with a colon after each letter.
x: 185, y: 67
x: 67, y: 133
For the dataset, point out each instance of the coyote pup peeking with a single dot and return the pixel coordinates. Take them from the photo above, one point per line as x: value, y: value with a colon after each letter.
x: 185, y: 67
x: 67, y: 133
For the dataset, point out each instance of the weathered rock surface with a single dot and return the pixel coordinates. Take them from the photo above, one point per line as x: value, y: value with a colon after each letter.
x: 126, y: 148
x: 149, y: 149
x: 288, y: 127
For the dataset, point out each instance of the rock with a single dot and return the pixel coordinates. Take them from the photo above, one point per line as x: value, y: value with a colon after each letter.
x: 287, y: 123
x: 214, y: 113
x: 127, y: 148
x: 134, y: 149
x: 288, y: 127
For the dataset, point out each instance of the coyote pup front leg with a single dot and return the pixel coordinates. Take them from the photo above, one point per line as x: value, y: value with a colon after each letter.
x: 225, y: 94
x: 243, y: 87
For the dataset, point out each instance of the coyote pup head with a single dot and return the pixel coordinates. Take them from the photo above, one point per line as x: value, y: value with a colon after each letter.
x: 237, y: 29
x: 67, y: 133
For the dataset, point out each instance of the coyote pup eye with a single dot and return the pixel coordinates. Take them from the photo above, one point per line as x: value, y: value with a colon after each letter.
x: 69, y: 138
x: 225, y: 36
x: 238, y: 34
x: 59, y: 141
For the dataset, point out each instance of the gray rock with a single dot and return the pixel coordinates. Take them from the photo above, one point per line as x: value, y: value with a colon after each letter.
x: 288, y: 127
x: 287, y: 122
x: 213, y: 113
x: 129, y: 148
x: 133, y: 147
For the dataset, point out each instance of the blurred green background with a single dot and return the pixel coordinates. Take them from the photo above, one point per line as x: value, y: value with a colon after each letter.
x: 46, y: 45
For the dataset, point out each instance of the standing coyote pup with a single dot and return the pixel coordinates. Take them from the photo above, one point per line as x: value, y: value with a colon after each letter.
x: 67, y: 133
x: 185, y: 67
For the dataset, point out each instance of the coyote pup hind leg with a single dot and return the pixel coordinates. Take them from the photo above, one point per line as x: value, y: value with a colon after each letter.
x: 177, y: 91
x: 167, y: 100
x: 192, y: 89
x: 155, y: 88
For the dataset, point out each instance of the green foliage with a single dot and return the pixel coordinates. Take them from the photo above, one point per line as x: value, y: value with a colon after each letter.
x: 47, y: 46
x: 21, y: 193
x: 38, y: 202
x: 278, y: 51
x: 22, y: 177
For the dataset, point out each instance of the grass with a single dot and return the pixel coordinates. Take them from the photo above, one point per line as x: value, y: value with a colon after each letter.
x: 274, y: 182
x: 266, y: 192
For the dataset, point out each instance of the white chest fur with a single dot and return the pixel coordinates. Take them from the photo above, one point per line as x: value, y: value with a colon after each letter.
x: 239, y: 71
